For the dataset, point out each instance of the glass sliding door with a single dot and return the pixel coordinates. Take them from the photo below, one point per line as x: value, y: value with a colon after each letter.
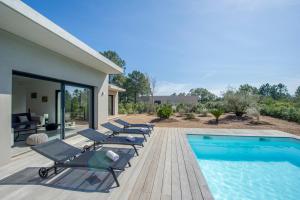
x: 78, y: 109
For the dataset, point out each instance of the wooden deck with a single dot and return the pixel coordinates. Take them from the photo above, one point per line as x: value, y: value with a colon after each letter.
x: 165, y: 169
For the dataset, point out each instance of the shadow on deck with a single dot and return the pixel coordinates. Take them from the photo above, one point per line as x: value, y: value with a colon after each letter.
x: 84, y: 180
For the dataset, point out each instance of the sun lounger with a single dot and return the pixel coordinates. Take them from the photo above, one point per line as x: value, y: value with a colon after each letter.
x: 117, y: 130
x: 100, y: 138
x: 67, y: 156
x: 129, y: 125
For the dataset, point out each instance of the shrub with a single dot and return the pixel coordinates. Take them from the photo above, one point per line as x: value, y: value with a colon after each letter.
x: 214, y: 104
x: 217, y: 112
x: 164, y: 111
x: 190, y: 116
x: 281, y: 110
x: 201, y: 109
x: 238, y: 102
x: 140, y: 107
x: 253, y: 112
x: 129, y: 108
x: 133, y: 108
x: 204, y: 112
x: 122, y: 109
x: 182, y: 108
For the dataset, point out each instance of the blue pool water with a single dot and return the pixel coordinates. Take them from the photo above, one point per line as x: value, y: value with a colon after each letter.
x: 249, y: 168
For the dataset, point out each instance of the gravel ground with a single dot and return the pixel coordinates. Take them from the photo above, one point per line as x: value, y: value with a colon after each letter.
x: 226, y: 121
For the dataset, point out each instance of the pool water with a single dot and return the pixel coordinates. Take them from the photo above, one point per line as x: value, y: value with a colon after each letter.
x: 249, y: 168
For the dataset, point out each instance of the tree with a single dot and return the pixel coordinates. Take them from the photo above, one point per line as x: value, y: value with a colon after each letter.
x: 217, y: 112
x: 152, y: 91
x: 182, y: 94
x: 277, y: 92
x: 136, y: 84
x: 116, y: 79
x: 203, y: 94
x: 239, y: 101
x: 265, y: 90
x: 297, y: 93
x: 248, y: 89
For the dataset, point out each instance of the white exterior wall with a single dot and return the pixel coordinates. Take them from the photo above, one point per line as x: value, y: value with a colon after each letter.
x: 22, y: 101
x: 21, y: 55
x: 19, y: 99
x: 5, y: 113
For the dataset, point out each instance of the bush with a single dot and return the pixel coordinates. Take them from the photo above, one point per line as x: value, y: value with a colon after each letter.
x: 238, y: 102
x: 217, y: 112
x: 281, y: 110
x: 201, y: 109
x: 140, y: 107
x: 214, y: 105
x: 122, y: 109
x: 253, y: 112
x: 190, y: 116
x: 181, y: 108
x: 132, y: 108
x: 164, y: 111
x: 129, y: 108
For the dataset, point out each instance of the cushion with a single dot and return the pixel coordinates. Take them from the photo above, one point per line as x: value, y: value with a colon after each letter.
x: 23, y: 118
x: 35, y: 139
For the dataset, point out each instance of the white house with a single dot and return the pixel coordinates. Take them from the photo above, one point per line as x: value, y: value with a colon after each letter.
x: 47, y: 72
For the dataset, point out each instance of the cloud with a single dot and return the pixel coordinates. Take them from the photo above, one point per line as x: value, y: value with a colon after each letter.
x: 168, y: 88
x: 252, y: 5
x: 165, y: 88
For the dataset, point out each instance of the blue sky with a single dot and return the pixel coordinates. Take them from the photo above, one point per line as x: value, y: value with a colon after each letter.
x: 185, y: 44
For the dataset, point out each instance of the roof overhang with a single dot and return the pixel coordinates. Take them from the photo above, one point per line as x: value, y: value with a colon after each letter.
x: 19, y: 19
x: 115, y: 88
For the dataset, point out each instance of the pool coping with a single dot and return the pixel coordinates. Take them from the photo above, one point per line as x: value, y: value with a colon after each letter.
x: 206, y: 193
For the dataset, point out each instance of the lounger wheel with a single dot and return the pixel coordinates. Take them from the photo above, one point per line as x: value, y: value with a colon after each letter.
x: 43, y: 172
x: 86, y: 148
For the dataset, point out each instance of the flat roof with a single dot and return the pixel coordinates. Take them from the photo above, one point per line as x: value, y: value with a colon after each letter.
x: 115, y: 88
x: 18, y: 18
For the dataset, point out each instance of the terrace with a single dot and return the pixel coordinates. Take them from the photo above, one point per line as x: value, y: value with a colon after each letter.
x: 165, y: 169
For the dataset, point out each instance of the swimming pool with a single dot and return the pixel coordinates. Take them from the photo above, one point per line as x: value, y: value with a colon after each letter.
x: 252, y: 168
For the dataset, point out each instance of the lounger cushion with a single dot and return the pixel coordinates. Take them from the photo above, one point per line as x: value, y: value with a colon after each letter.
x: 38, y: 138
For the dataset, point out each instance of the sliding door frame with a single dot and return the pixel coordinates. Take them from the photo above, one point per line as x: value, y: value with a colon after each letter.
x: 63, y: 84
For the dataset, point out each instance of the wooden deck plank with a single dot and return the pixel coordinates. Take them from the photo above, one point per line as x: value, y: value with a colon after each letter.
x: 148, y: 184
x: 194, y: 186
x: 158, y: 180
x: 184, y: 182
x: 206, y: 194
x: 165, y: 169
x: 136, y: 192
x: 167, y: 179
x: 128, y: 180
x: 176, y: 187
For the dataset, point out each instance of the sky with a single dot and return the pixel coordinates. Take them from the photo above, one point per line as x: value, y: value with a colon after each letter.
x: 186, y: 44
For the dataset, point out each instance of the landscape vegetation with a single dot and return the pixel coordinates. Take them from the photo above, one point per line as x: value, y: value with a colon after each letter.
x: 268, y: 100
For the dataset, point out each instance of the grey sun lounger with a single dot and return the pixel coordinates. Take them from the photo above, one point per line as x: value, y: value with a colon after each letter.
x: 68, y: 156
x: 129, y: 125
x: 100, y: 138
x: 117, y: 130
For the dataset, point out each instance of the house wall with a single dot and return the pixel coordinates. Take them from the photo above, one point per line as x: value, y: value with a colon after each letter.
x: 19, y: 99
x: 22, y: 101
x: 21, y: 55
x: 5, y: 108
x: 174, y: 100
x: 36, y: 105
